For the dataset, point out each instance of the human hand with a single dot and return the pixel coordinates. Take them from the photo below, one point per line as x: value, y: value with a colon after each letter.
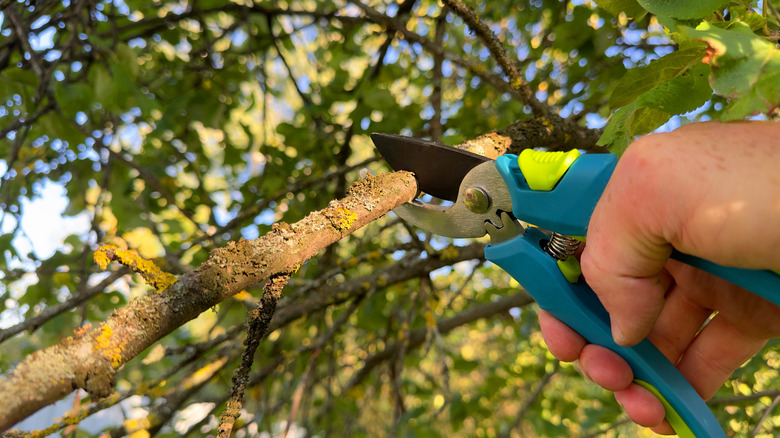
x: 708, y: 189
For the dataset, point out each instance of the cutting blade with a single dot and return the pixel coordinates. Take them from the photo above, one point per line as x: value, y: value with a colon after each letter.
x: 439, y: 168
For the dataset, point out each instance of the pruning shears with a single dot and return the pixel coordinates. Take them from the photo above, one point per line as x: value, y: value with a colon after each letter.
x: 555, y: 191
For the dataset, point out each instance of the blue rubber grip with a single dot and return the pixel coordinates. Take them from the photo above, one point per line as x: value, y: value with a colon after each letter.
x: 567, y: 209
x: 577, y: 306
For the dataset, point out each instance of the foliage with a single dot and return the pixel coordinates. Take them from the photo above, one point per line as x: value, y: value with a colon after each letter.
x: 173, y: 127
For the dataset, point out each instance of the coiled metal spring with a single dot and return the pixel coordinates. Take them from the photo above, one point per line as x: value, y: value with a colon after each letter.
x: 561, y: 247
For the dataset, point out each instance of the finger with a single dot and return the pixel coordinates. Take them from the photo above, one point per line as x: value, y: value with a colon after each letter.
x: 641, y: 406
x: 683, y: 314
x: 563, y: 342
x: 716, y: 352
x: 665, y: 428
x: 605, y: 368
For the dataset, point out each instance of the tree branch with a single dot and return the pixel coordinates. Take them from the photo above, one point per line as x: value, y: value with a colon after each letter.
x: 49, y: 312
x: 417, y: 337
x: 91, y: 358
x: 499, y: 54
x: 547, y: 130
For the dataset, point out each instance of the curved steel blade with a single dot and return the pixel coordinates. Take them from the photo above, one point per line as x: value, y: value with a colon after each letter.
x: 439, y: 168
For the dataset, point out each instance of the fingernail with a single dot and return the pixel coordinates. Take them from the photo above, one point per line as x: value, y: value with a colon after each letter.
x: 617, y: 333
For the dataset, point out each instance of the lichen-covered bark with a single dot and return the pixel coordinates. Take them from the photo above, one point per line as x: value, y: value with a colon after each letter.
x: 91, y: 357
x: 552, y: 133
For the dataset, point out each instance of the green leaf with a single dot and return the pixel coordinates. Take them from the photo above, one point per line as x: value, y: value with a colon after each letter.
x: 641, y: 79
x: 463, y: 365
x: 114, y: 87
x: 680, y: 94
x: 101, y: 82
x: 614, y: 135
x: 570, y: 35
x: 644, y: 120
x: 15, y: 80
x: 6, y: 246
x: 752, y: 19
x: 682, y: 9
x: 57, y: 126
x: 73, y: 98
x: 629, y: 122
x: 745, y: 68
x: 630, y: 7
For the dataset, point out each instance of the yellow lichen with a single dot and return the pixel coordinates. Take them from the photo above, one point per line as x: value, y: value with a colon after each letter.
x: 374, y: 255
x: 448, y: 253
x: 152, y: 275
x: 101, y: 258
x: 69, y: 419
x: 104, y: 338
x: 136, y: 425
x: 104, y: 344
x: 345, y: 219
x: 430, y: 321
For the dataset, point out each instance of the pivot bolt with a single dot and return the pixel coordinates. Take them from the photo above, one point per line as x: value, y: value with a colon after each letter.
x: 477, y: 200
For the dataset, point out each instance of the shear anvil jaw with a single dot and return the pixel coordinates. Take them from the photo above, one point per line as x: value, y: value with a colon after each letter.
x: 482, y: 198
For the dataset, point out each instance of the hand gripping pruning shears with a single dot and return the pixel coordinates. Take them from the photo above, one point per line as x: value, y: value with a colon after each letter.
x: 554, y: 191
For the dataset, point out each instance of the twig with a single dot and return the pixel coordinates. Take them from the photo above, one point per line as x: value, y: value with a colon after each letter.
x: 764, y: 417
x: 499, y: 54
x: 532, y: 398
x: 21, y: 35
x: 154, y: 182
x: 399, y: 27
x: 47, y: 313
x: 417, y: 337
x: 257, y: 327
x: 256, y: 208
x: 743, y: 398
x: 299, y: 392
x: 438, y: 60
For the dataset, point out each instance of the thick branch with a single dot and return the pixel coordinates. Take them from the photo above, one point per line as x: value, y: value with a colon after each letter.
x: 91, y: 358
x: 554, y: 133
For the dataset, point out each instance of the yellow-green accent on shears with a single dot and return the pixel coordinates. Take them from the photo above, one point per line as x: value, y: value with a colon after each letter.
x: 678, y: 424
x: 570, y: 268
x: 542, y: 169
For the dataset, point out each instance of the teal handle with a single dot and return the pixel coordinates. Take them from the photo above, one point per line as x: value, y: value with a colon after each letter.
x: 578, y: 306
x: 566, y: 209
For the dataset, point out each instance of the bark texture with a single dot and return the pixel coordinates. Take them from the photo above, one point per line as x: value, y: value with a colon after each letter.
x: 91, y: 357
